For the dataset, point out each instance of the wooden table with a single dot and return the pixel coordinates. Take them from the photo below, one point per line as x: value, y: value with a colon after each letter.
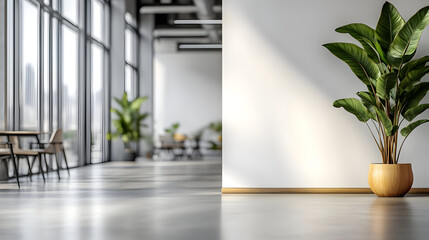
x: 35, y: 134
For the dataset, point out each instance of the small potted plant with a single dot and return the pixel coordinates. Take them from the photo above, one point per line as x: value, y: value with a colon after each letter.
x: 172, y: 131
x: 128, y: 123
x: 217, y: 128
x: 393, y: 89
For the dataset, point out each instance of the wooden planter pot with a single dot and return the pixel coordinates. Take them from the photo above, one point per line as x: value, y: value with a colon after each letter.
x: 390, y: 180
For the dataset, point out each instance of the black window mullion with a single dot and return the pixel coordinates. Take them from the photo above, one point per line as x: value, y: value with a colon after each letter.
x: 51, y: 73
x: 41, y: 66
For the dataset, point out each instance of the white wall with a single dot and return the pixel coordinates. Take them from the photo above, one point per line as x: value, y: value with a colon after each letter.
x: 280, y: 129
x: 187, y: 88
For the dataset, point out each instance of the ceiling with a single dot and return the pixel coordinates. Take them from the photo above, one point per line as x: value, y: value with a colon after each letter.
x: 167, y: 11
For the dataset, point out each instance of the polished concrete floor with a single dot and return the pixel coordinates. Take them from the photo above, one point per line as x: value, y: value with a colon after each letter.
x: 182, y: 200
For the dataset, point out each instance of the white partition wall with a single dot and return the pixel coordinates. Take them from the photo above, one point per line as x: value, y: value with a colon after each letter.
x: 280, y: 129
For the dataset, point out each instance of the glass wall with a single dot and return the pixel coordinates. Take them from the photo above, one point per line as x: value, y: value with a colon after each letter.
x: 69, y: 9
x: 46, y: 93
x: 55, y: 76
x: 57, y: 45
x: 70, y: 94
x: 97, y: 20
x: 131, y: 64
x: 97, y: 136
x: 29, y: 66
x: 99, y: 50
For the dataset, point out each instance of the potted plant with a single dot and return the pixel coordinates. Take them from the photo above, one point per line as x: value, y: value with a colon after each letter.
x: 128, y: 123
x: 393, y: 91
x: 172, y: 131
x: 217, y: 128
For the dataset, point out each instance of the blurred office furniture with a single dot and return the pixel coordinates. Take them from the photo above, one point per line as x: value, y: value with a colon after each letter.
x: 13, y: 151
x: 6, y: 154
x: 54, y: 147
x: 169, y: 148
x: 13, y: 139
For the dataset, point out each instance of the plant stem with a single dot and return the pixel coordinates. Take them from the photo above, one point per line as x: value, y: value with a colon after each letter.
x: 379, y: 135
x: 400, y: 148
x: 373, y: 137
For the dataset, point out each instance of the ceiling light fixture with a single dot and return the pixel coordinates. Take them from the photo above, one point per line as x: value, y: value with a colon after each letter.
x: 195, y: 21
x: 200, y: 46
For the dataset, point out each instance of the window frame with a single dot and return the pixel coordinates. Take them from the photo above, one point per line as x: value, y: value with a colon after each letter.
x: 135, y: 67
x: 105, y: 45
x: 81, y: 27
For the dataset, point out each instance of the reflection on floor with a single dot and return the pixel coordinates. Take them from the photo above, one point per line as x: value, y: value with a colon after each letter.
x: 182, y: 200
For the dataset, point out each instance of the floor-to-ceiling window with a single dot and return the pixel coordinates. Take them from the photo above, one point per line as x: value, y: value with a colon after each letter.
x: 131, y: 58
x: 99, y: 51
x: 46, y: 70
x: 29, y: 83
x: 62, y: 50
x: 70, y: 93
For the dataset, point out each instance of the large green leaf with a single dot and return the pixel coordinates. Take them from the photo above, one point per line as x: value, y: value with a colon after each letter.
x: 412, y: 99
x: 412, y: 113
x: 408, y: 129
x: 411, y: 78
x: 128, y: 117
x: 135, y: 105
x: 355, y: 107
x: 357, y: 59
x: 118, y: 125
x: 366, y: 36
x: 369, y: 102
x: 413, y: 65
x: 389, y: 128
x: 367, y: 97
x: 405, y: 43
x: 125, y: 103
x: 384, y: 84
x: 117, y: 112
x: 388, y: 26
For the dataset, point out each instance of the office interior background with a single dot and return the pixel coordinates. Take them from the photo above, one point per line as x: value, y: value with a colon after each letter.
x: 239, y: 109
x: 63, y: 62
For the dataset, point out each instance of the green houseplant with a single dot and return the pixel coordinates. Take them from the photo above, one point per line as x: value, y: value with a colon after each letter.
x: 393, y: 91
x: 172, y: 131
x: 217, y: 128
x: 128, y: 122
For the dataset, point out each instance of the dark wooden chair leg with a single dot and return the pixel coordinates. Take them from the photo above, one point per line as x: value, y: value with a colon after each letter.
x: 46, y: 163
x: 65, y: 160
x: 32, y: 163
x: 16, y: 170
x: 58, y: 165
x: 29, y: 168
x: 17, y: 162
x: 12, y: 155
x: 40, y: 165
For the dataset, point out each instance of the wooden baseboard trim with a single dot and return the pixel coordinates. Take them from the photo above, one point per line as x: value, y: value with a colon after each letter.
x: 309, y: 190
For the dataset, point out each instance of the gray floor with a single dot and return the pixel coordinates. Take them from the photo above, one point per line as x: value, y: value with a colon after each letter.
x: 182, y: 200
